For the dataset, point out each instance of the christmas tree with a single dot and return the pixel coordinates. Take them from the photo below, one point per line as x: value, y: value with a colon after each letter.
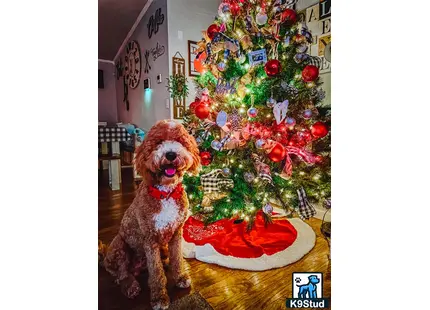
x: 258, y: 116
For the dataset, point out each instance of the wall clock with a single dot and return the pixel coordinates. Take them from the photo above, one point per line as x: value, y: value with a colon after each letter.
x: 133, y: 64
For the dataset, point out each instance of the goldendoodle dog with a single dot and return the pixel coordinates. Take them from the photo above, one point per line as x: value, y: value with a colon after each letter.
x: 155, y: 219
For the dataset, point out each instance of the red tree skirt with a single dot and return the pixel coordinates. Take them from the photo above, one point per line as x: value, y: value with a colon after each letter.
x: 264, y: 247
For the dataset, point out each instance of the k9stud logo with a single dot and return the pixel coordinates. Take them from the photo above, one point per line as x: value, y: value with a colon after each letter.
x: 307, y: 291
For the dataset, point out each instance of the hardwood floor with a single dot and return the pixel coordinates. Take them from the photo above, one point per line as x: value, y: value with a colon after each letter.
x: 222, y: 288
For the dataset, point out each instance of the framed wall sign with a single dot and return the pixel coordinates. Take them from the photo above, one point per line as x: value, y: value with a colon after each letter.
x: 192, y: 47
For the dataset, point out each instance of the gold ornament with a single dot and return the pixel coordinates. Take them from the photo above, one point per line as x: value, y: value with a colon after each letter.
x: 241, y: 91
x: 246, y: 79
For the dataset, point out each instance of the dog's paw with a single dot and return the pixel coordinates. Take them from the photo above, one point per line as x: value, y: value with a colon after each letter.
x: 161, y: 303
x: 184, y: 281
x: 131, y: 289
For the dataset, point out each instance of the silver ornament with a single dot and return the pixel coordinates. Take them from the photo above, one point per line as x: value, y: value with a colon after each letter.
x: 261, y: 19
x: 307, y: 114
x: 222, y: 66
x: 259, y: 143
x: 290, y: 122
x: 271, y: 102
x: 252, y: 112
x: 249, y: 177
x: 199, y: 140
x: 226, y: 172
x: 216, y: 145
x: 268, y: 209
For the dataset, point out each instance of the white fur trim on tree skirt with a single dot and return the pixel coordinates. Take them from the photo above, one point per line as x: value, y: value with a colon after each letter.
x: 304, y: 242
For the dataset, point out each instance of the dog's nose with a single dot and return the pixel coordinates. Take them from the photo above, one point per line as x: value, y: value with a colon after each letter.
x: 171, y: 156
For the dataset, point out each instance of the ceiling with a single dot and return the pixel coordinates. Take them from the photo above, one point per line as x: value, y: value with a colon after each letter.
x: 116, y: 17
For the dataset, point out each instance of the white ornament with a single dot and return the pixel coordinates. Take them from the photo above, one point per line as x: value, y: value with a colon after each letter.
x: 261, y: 18
x: 221, y: 118
x: 280, y: 111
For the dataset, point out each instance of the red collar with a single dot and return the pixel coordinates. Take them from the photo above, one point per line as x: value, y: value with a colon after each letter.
x: 157, y: 194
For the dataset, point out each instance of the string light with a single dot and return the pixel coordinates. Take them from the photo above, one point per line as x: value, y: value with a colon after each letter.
x: 191, y: 196
x: 269, y: 115
x: 228, y: 200
x: 316, y: 177
x: 301, y: 173
x: 246, y: 66
x: 235, y: 211
x: 242, y: 110
x: 240, y: 166
x: 246, y: 218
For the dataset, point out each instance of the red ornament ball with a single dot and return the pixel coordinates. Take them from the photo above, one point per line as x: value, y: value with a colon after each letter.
x: 205, y: 158
x: 277, y: 153
x: 310, y: 73
x: 202, y: 111
x: 289, y: 16
x: 319, y: 130
x: 194, y: 104
x: 212, y: 30
x: 234, y: 8
x: 272, y: 67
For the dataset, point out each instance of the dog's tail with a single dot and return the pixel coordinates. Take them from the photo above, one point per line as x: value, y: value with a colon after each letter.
x: 102, y: 252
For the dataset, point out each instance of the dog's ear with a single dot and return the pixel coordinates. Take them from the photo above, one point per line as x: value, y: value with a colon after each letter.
x: 143, y: 155
x: 190, y: 143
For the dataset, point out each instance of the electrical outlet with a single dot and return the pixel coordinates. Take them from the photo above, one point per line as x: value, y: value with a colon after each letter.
x: 159, y: 79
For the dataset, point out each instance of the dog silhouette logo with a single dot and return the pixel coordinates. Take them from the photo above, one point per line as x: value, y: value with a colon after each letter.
x: 307, y: 285
x: 307, y: 291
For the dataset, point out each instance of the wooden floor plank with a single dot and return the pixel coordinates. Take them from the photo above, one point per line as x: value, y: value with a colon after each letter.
x: 223, y: 288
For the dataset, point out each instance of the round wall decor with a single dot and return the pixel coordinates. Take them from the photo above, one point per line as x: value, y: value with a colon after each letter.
x: 133, y: 64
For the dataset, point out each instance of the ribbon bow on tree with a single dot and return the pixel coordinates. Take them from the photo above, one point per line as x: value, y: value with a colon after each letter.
x: 212, y: 183
x: 304, y: 155
x: 306, y: 210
